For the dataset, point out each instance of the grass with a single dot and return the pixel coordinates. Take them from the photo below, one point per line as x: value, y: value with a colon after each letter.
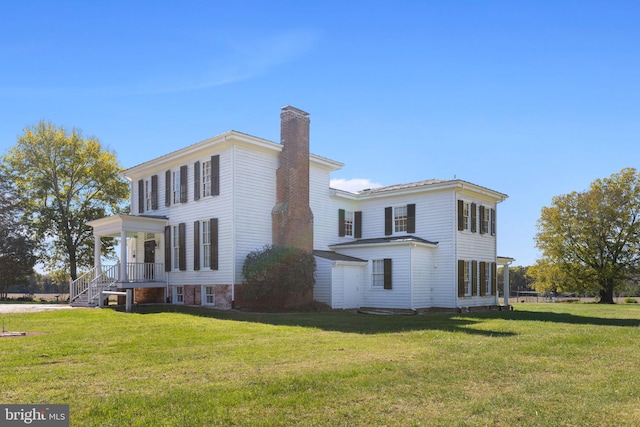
x: 540, y: 365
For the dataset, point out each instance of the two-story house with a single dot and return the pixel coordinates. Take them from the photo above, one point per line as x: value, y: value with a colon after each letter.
x: 198, y: 211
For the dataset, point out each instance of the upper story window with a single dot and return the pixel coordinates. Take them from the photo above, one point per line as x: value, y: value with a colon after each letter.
x: 400, y: 219
x: 348, y: 223
x: 176, y: 187
x: 206, y: 178
x: 147, y: 195
x: 466, y: 216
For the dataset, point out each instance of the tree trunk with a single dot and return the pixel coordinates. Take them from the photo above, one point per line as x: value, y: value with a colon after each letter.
x: 606, y: 292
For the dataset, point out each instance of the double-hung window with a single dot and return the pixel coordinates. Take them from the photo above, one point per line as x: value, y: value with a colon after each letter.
x: 486, y: 278
x: 176, y: 187
x: 176, y: 246
x: 466, y: 216
x: 400, y: 219
x: 179, y: 294
x: 147, y: 195
x: 206, y: 244
x: 209, y: 295
x: 348, y: 223
x: 377, y: 273
x: 468, y: 273
x: 206, y: 178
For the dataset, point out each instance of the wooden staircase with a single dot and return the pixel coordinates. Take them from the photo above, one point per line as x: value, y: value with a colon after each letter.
x: 85, y: 290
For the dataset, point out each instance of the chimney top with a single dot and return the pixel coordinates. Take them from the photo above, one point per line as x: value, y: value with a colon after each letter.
x: 295, y: 111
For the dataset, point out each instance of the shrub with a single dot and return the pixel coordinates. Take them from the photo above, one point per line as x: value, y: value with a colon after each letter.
x: 630, y: 300
x: 278, y: 273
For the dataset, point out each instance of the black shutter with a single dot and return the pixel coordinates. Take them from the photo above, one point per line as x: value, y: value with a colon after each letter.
x: 387, y: 273
x: 196, y: 180
x: 460, y: 215
x: 183, y: 184
x: 341, y: 228
x: 483, y: 229
x: 141, y: 196
x: 154, y: 192
x: 182, y: 241
x: 461, y: 289
x: 483, y: 278
x: 388, y: 221
x: 215, y: 175
x: 473, y: 218
x: 167, y: 248
x: 213, y: 229
x: 411, y: 218
x: 167, y: 188
x: 493, y: 222
x: 474, y: 277
x: 357, y: 226
x: 196, y: 245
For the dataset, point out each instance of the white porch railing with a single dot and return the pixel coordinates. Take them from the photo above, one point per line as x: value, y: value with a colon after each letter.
x: 145, y: 272
x: 93, y: 282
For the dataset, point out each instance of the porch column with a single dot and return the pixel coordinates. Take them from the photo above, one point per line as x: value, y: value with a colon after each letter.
x: 97, y: 253
x: 123, y: 256
x: 505, y: 272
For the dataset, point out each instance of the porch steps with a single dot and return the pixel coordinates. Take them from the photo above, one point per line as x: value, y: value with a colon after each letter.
x: 82, y: 301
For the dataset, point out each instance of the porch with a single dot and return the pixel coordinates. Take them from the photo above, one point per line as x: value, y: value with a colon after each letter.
x: 140, y: 265
x: 85, y: 291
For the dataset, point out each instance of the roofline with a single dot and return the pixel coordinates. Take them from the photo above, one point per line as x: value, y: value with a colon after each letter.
x: 227, y: 138
x: 400, y: 242
x: 418, y: 187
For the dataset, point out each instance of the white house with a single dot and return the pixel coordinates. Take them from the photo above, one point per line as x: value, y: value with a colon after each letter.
x: 198, y: 211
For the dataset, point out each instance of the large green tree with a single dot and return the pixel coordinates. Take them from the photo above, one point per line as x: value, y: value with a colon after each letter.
x: 593, y: 237
x: 16, y: 246
x: 65, y: 180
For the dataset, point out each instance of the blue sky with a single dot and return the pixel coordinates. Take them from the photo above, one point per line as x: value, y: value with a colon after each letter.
x: 532, y: 99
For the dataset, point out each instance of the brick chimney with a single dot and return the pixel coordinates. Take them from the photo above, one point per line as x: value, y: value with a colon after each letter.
x: 292, y: 219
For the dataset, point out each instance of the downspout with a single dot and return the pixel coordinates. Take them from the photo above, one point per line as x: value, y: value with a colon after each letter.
x: 411, y: 247
x: 233, y: 224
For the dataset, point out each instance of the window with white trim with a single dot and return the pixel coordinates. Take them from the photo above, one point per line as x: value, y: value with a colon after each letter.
x: 206, y: 244
x: 206, y: 178
x: 176, y: 187
x: 348, y: 223
x: 377, y: 273
x: 179, y: 290
x: 147, y: 195
x: 487, y: 278
x: 209, y: 296
x: 486, y: 219
x: 400, y: 219
x: 468, y: 273
x: 466, y: 216
x: 176, y: 246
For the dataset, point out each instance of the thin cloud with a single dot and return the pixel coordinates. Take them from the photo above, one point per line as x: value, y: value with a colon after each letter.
x: 354, y: 185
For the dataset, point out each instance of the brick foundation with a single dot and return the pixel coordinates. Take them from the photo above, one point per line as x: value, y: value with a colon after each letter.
x: 194, y: 295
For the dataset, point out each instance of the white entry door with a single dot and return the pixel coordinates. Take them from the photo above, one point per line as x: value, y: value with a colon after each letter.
x: 352, y: 287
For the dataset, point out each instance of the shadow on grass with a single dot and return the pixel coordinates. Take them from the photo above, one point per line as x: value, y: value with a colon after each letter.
x: 571, y: 318
x: 344, y: 321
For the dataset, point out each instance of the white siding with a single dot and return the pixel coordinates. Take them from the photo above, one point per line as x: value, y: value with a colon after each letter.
x: 400, y: 294
x: 322, y: 288
x: 255, y: 196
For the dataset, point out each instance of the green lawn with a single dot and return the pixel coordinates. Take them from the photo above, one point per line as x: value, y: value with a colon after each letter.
x: 540, y: 365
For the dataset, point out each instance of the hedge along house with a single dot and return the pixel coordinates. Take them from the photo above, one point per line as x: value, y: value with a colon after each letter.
x: 197, y: 213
